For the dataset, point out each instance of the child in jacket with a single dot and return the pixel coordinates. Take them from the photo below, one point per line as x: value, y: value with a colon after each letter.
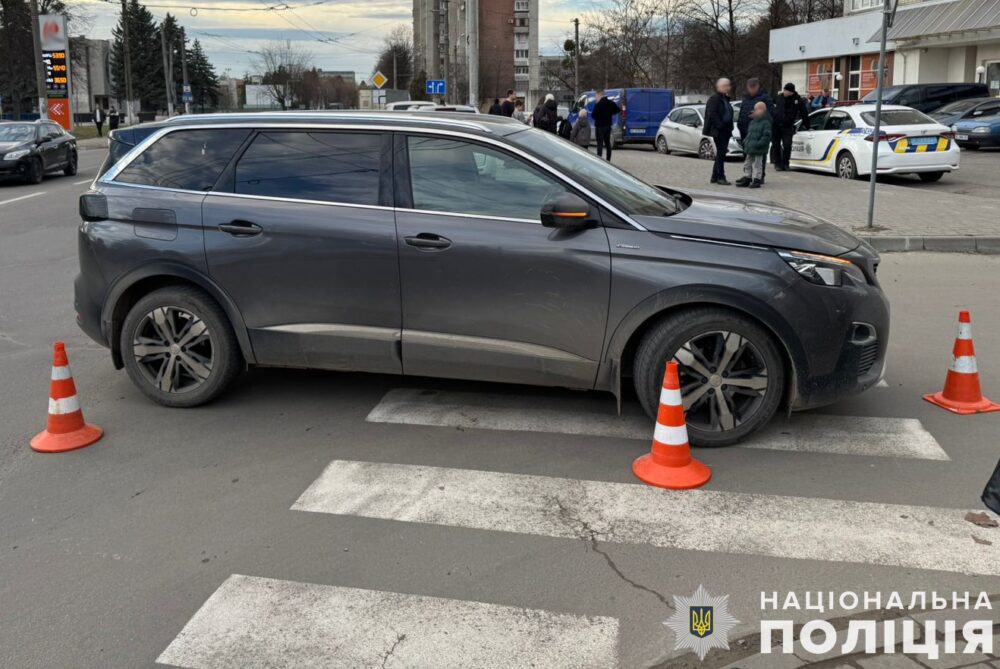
x: 755, y: 146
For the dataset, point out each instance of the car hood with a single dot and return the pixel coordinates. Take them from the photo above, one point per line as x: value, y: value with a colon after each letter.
x: 12, y: 146
x: 743, y: 220
x: 972, y: 123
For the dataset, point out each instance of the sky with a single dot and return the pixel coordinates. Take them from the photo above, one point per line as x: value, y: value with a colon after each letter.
x: 340, y: 34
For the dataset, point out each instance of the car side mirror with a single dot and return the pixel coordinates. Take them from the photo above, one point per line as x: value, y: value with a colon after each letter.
x: 567, y: 210
x: 978, y: 112
x: 696, y: 123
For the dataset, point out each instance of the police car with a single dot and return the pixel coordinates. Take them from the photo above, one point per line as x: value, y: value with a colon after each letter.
x: 839, y: 140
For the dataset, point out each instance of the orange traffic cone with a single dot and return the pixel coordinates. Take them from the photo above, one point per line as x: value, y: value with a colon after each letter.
x: 669, y: 463
x: 66, y: 429
x: 961, y: 392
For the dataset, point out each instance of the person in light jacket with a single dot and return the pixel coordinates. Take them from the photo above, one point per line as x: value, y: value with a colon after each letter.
x: 580, y: 135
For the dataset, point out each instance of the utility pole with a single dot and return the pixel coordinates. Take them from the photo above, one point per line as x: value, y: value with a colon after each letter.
x: 128, y: 63
x: 36, y: 42
x: 472, y: 30
x: 395, y: 82
x: 168, y: 74
x: 888, y: 14
x: 184, y: 72
x: 446, y: 30
x: 576, y: 59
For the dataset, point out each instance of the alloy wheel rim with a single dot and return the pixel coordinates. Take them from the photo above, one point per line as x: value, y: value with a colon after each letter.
x: 707, y: 151
x: 723, y: 379
x: 845, y: 168
x: 661, y: 144
x: 173, y: 349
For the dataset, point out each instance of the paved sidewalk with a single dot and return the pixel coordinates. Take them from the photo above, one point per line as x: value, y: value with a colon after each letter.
x: 907, y: 217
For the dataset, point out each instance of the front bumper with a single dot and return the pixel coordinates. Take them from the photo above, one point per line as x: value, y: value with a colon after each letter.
x: 979, y: 140
x: 13, y: 167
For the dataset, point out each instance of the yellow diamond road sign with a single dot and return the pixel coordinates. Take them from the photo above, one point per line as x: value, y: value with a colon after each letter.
x: 379, y: 80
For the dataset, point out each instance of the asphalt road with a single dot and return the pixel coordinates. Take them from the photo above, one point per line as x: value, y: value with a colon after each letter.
x: 108, y: 553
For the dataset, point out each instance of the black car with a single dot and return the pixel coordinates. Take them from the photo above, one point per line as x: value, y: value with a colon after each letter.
x: 31, y: 149
x: 462, y: 246
x: 928, y: 97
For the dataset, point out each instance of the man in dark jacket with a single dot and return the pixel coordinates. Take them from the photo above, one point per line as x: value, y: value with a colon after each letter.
x: 719, y: 126
x: 507, y: 106
x: 754, y: 94
x: 548, y: 114
x: 604, y: 113
x: 788, y: 108
x: 495, y: 107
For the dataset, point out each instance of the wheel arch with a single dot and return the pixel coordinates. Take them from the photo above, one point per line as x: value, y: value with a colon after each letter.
x: 624, y: 341
x: 138, y: 283
x: 849, y: 150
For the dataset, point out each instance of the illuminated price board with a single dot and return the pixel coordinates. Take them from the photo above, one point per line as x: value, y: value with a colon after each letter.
x: 56, y: 80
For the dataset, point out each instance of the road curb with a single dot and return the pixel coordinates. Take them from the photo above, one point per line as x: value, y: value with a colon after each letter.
x: 936, y: 243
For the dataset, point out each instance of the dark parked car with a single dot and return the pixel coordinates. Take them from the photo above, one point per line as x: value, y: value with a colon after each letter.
x: 30, y: 149
x: 928, y: 97
x: 467, y: 247
x: 976, y: 122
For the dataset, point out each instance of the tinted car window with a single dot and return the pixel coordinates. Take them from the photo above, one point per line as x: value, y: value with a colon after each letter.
x: 13, y: 132
x: 898, y: 117
x: 990, y: 109
x: 818, y: 120
x: 839, y: 121
x: 466, y: 178
x: 325, y: 166
x: 185, y: 159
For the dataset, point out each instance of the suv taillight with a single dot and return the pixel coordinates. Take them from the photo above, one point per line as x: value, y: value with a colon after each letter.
x: 884, y: 137
x: 93, y: 207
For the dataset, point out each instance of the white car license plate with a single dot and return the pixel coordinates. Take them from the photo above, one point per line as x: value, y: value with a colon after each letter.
x: 962, y: 137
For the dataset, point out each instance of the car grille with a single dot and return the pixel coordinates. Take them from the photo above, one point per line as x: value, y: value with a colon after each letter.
x: 869, y: 353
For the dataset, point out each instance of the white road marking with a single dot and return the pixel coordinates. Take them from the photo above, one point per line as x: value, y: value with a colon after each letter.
x: 882, y: 384
x: 699, y: 520
x: 841, y: 435
x: 23, y: 197
x: 85, y: 181
x: 262, y: 622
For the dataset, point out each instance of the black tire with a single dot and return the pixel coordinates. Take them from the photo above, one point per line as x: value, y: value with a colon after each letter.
x: 970, y: 147
x: 34, y: 174
x: 71, y: 168
x: 846, y: 167
x: 693, y: 335
x: 201, y: 369
x: 706, y: 149
x: 661, y: 145
x: 930, y: 176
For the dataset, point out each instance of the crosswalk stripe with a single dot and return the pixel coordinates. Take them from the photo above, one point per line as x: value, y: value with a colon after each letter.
x: 699, y: 520
x: 840, y: 435
x: 263, y: 622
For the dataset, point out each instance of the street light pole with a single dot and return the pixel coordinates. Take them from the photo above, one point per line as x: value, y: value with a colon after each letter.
x: 888, y: 11
x: 126, y: 49
x: 36, y: 42
x: 576, y: 59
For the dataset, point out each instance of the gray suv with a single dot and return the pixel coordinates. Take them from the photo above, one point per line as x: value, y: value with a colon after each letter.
x: 471, y: 248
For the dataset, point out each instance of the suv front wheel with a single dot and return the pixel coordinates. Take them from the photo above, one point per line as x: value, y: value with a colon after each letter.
x: 179, y: 348
x: 731, y: 372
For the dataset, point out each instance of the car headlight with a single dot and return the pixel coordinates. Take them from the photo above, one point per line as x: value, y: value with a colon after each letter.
x: 14, y: 155
x: 982, y: 130
x: 820, y: 269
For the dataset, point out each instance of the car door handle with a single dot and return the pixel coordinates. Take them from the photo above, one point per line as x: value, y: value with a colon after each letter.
x: 426, y: 240
x: 240, y: 228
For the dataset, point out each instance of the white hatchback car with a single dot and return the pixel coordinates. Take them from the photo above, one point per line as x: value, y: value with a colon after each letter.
x: 839, y: 141
x: 680, y: 132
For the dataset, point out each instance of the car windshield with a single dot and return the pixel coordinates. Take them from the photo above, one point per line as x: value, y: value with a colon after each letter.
x: 887, y: 94
x: 957, y: 106
x: 16, y: 132
x: 621, y: 188
x: 898, y: 117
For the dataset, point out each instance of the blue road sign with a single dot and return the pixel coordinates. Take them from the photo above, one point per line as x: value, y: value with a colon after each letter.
x: 436, y: 87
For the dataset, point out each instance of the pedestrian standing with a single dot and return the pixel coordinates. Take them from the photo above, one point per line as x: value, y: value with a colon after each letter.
x: 495, y: 107
x: 548, y: 114
x: 788, y: 109
x: 508, y: 104
x: 755, y: 145
x: 821, y: 101
x: 520, y: 114
x: 719, y: 126
x: 754, y: 94
x: 98, y: 119
x: 604, y: 113
x: 113, y: 119
x: 580, y: 135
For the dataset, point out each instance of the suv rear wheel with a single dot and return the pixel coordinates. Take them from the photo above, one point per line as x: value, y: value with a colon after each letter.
x: 731, y: 371
x: 179, y: 348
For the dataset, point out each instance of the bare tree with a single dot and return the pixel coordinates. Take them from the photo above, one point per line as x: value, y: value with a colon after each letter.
x: 282, y: 66
x: 396, y: 59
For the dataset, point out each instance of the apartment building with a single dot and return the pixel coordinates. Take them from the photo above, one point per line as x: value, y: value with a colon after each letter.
x: 507, y: 32
x: 930, y: 41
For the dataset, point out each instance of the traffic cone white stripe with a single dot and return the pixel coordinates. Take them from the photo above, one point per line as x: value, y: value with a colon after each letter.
x: 670, y: 435
x: 964, y: 364
x: 64, y: 405
x: 965, y: 330
x: 671, y: 397
x: 61, y: 373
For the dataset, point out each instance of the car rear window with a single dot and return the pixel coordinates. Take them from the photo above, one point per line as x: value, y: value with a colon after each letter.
x: 185, y: 159
x: 335, y: 167
x: 898, y: 117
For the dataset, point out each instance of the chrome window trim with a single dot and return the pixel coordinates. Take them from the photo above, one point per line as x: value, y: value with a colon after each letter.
x: 454, y: 214
x: 719, y: 242
x: 297, y: 200
x: 108, y: 178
